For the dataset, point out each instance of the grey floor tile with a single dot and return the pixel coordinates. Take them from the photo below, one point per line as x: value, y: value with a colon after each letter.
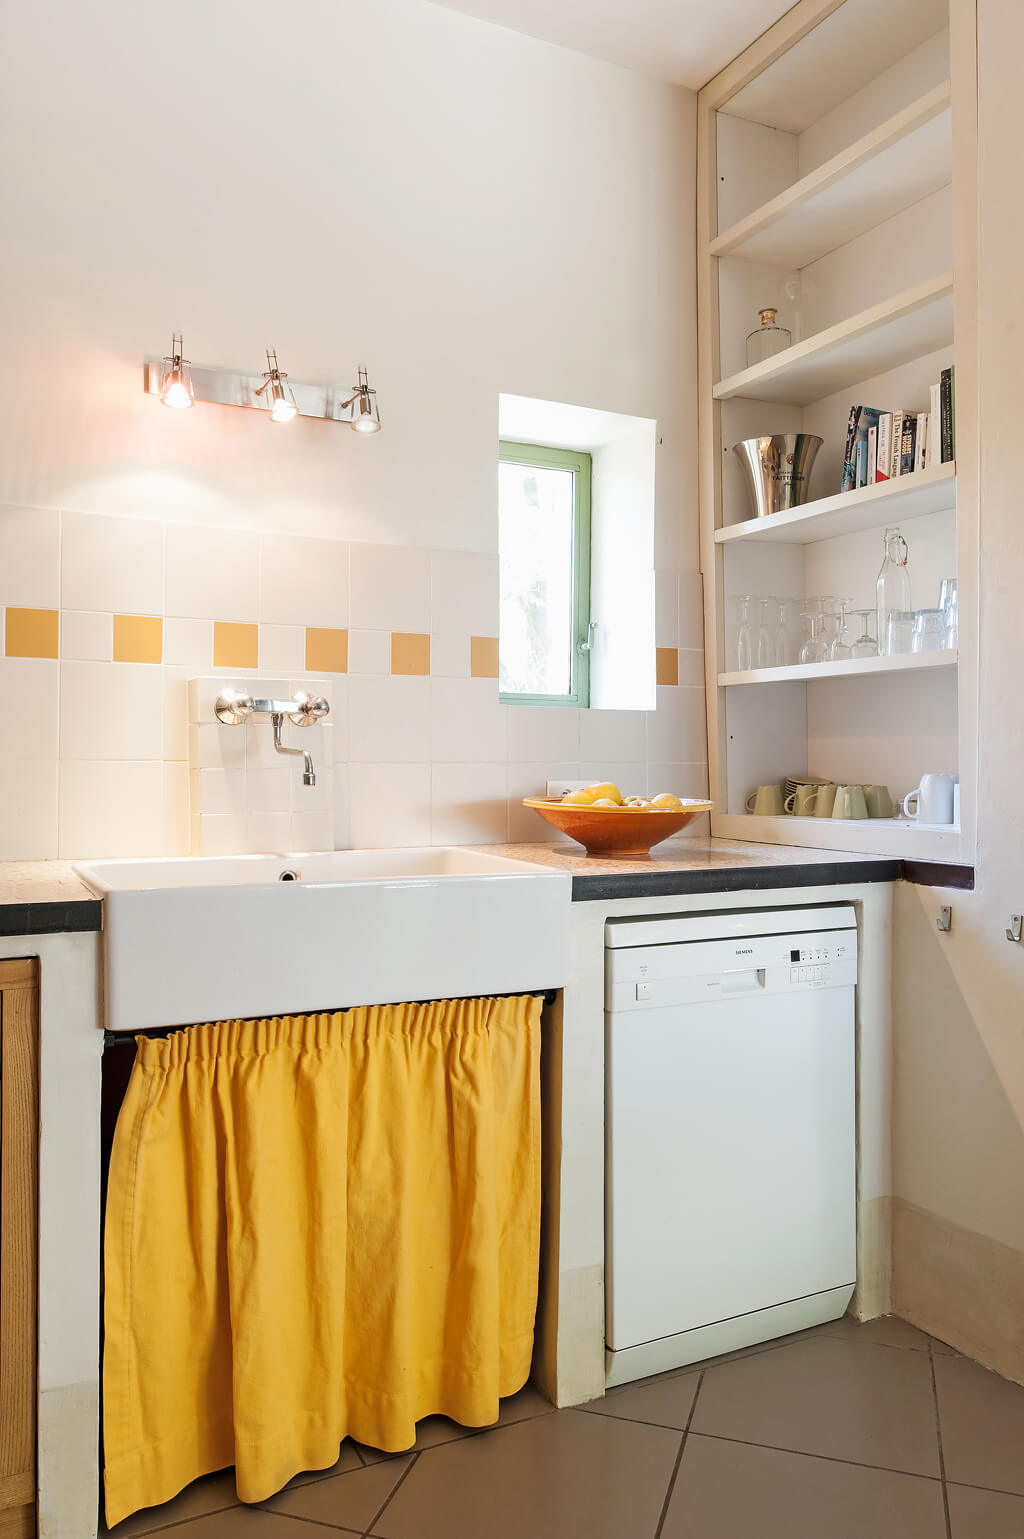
x: 547, y: 1478
x: 346, y: 1501
x: 838, y: 1398
x: 210, y: 1494
x: 977, y: 1514
x: 735, y: 1491
x: 664, y: 1401
x: 887, y: 1331
x: 432, y: 1431
x: 982, y: 1420
x: 245, y: 1523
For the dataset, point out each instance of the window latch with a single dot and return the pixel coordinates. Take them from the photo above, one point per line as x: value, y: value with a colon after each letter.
x: 587, y: 644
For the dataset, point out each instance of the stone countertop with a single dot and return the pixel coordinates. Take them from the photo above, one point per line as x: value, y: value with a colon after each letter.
x: 684, y: 865
x: 45, y: 897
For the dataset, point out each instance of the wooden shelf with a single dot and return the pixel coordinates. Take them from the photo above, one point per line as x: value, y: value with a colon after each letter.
x: 853, y: 667
x: 925, y: 491
x: 917, y: 321
x: 860, y: 836
x: 901, y: 161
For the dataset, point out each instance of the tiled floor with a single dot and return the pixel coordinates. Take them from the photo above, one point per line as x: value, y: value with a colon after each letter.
x: 843, y: 1432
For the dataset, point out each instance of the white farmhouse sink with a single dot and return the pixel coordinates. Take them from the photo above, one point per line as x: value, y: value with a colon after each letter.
x: 213, y: 938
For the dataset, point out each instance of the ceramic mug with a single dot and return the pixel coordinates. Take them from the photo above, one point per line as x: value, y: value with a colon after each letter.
x: 801, y: 801
x: 766, y: 801
x: 933, y: 800
x: 825, y: 800
x: 879, y: 801
x: 850, y: 802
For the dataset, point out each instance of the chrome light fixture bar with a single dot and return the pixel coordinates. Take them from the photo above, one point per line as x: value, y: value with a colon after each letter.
x: 272, y: 391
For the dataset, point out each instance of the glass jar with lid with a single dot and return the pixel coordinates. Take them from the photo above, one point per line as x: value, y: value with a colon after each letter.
x: 768, y: 339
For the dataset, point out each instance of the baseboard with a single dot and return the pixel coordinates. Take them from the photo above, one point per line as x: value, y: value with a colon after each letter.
x: 962, y: 1287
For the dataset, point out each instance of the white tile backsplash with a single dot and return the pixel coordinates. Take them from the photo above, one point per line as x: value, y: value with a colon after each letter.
x: 389, y: 588
x: 212, y: 572
x: 30, y: 557
x: 95, y: 756
x: 112, y: 563
x: 87, y: 636
x: 303, y: 581
x: 29, y: 693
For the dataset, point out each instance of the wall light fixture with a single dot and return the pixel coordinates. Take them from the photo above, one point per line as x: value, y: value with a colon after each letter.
x: 176, y: 383
x: 279, y: 394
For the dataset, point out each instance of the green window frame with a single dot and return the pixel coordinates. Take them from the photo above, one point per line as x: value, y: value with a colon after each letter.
x: 580, y: 464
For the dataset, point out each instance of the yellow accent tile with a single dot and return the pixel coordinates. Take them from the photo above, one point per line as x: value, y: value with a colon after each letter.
x: 410, y: 652
x: 326, y: 650
x: 32, y: 632
x: 138, y: 639
x: 235, y: 646
x: 667, y: 665
x: 483, y: 657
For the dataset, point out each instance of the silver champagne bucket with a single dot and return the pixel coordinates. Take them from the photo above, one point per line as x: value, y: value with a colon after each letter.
x: 779, y: 469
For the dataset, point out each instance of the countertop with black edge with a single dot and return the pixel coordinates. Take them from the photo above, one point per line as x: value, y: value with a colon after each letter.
x: 45, y: 897
x: 688, y: 865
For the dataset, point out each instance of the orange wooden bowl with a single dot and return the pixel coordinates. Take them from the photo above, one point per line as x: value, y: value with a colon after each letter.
x: 609, y: 831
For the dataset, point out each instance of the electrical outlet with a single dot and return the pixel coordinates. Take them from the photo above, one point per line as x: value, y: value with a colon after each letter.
x: 557, y: 788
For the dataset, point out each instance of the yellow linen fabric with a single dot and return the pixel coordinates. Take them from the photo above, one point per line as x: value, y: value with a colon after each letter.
x: 317, y: 1226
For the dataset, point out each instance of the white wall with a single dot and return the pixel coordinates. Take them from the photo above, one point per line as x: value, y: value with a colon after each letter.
x: 959, y: 998
x: 464, y: 209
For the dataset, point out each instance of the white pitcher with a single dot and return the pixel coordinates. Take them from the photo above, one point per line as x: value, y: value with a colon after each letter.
x: 933, y: 800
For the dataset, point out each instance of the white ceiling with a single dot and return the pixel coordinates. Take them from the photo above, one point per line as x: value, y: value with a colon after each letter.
x: 686, y: 41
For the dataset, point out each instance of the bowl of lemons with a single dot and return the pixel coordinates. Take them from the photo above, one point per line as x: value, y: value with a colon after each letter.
x: 607, y: 823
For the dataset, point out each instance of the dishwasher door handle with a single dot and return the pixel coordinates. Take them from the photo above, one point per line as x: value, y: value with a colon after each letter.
x: 747, y: 980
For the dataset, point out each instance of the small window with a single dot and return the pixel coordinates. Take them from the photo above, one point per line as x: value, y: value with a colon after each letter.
x: 544, y: 551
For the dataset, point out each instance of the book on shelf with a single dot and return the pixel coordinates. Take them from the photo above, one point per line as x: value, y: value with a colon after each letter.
x: 881, y: 445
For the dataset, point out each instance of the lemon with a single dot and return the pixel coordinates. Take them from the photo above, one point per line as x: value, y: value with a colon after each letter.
x: 666, y: 802
x: 606, y: 791
x: 579, y: 798
x: 606, y: 801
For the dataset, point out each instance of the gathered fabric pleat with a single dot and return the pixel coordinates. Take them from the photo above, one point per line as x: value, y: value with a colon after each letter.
x: 317, y: 1227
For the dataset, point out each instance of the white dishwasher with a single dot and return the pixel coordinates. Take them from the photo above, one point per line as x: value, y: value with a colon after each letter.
x: 731, y: 1141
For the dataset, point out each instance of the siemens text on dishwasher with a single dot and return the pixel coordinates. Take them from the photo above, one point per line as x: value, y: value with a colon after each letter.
x: 731, y: 1180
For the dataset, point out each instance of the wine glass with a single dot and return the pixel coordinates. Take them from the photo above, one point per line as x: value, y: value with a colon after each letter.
x: 813, y: 649
x: 866, y: 644
x: 765, y: 645
x: 838, y: 649
x: 744, y: 638
x: 782, y: 650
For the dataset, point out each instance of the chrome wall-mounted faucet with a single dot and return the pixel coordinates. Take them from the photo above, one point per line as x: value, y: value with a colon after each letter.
x: 234, y: 708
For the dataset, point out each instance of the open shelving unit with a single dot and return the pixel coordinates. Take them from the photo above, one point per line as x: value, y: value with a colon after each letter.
x: 837, y: 182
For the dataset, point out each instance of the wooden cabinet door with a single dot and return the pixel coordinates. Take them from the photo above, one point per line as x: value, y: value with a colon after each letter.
x: 19, y: 1180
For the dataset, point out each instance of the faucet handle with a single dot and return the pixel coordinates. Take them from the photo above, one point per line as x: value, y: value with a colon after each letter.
x: 311, y: 708
x: 233, y: 707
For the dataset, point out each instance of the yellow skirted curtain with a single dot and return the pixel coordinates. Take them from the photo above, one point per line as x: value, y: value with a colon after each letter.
x: 317, y: 1226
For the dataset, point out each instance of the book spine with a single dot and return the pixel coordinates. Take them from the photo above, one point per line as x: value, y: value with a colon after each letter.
x: 849, y: 463
x: 946, y: 410
x: 872, y: 456
x: 862, y: 462
x: 884, y: 455
x: 952, y: 411
x: 921, y: 442
x: 907, y: 443
x: 897, y: 444
x: 934, y: 454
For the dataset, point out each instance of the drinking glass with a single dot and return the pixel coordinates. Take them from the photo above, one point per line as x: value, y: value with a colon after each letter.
x: 948, y: 605
x: 839, y: 646
x: 765, y: 644
x: 929, y: 634
x: 782, y: 649
x: 866, y: 645
x: 899, y: 637
x: 744, y: 638
x: 813, y: 649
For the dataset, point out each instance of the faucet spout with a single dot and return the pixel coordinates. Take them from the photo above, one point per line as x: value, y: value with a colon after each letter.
x: 308, y: 777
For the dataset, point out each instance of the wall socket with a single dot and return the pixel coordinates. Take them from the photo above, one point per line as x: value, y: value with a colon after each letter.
x: 557, y: 788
